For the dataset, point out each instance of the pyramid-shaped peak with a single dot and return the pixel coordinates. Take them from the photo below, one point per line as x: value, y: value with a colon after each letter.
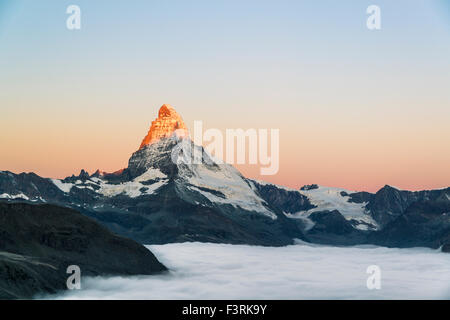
x: 167, y: 111
x: 168, y: 123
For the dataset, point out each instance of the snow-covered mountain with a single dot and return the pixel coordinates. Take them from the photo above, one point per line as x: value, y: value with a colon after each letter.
x: 329, y: 199
x: 390, y: 217
x: 209, y: 183
x: 163, y: 196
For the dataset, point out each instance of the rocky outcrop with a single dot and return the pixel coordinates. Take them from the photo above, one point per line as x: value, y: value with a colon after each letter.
x: 39, y: 242
x: 330, y: 227
x: 157, y: 155
x: 28, y: 186
x: 169, y: 122
x: 424, y: 223
x: 359, y: 197
x: 309, y: 187
x: 330, y: 222
x: 289, y: 201
x: 389, y: 203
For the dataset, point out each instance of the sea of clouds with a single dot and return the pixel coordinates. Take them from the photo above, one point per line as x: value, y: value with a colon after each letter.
x: 218, y: 271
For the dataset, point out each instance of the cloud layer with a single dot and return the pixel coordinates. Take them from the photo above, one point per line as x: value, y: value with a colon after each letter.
x: 216, y: 271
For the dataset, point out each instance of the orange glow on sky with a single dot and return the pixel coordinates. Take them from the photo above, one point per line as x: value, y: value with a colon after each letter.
x: 356, y: 109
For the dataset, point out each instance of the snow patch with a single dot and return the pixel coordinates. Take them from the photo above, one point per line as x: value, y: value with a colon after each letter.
x: 222, y: 178
x: 63, y: 186
x: 329, y: 199
x: 13, y: 197
x: 85, y: 187
x: 130, y: 188
x: 133, y: 188
x: 150, y: 174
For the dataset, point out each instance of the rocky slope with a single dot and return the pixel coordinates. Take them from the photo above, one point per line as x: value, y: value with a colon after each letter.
x: 178, y: 201
x: 39, y: 242
x: 167, y: 123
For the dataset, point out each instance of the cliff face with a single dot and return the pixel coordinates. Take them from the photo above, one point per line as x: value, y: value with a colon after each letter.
x: 39, y: 242
x: 169, y: 122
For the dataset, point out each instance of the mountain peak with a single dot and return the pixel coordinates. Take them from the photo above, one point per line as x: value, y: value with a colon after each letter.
x: 168, y: 123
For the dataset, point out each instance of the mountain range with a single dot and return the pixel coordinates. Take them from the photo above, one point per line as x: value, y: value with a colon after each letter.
x: 162, y: 198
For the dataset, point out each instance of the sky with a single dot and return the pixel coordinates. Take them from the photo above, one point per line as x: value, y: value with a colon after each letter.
x: 356, y: 108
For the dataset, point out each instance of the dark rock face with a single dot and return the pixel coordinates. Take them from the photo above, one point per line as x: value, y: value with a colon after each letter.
x: 389, y: 203
x: 330, y: 227
x: 285, y: 200
x: 330, y: 222
x: 83, y: 176
x: 157, y: 155
x: 309, y: 187
x: 424, y: 223
x: 359, y: 197
x: 29, y: 184
x: 39, y: 242
x: 22, y: 277
x: 446, y: 247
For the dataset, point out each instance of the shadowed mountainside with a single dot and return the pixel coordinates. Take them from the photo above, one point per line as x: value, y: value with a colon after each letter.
x: 39, y: 242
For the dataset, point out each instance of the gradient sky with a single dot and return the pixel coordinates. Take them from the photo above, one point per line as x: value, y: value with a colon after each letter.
x: 356, y: 108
